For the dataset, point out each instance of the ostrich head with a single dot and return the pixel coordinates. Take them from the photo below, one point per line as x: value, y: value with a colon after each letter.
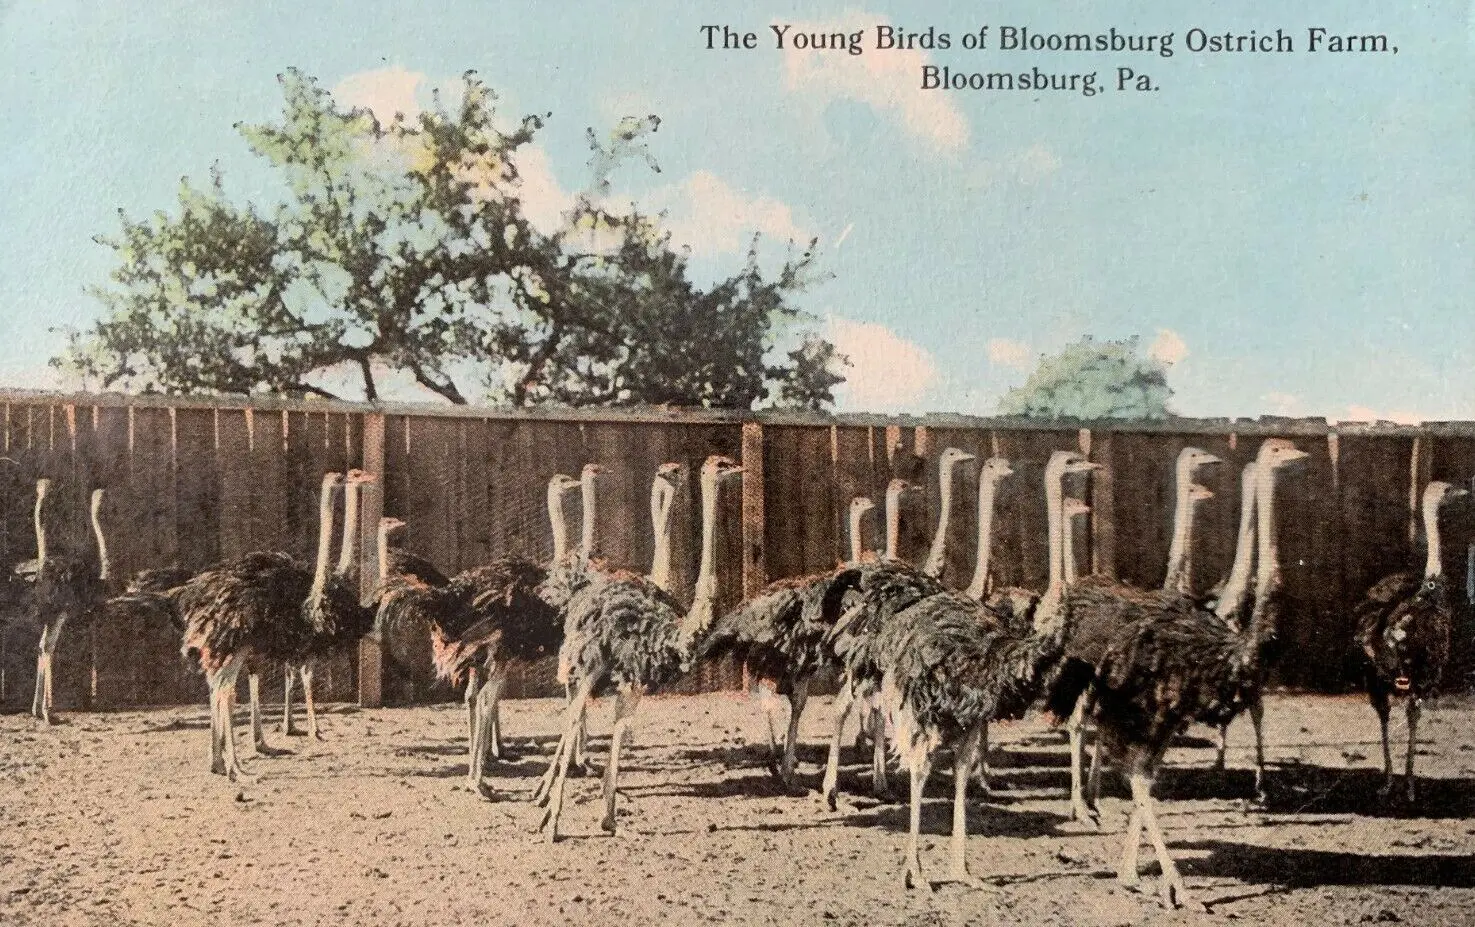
x: 719, y: 467
x: 994, y: 470
x: 953, y: 456
x: 860, y: 505
x: 43, y: 486
x: 1198, y: 493
x: 1073, y: 508
x: 1191, y: 458
x: 1437, y: 493
x: 1278, y: 452
x: 672, y: 473
x: 358, y: 477
x: 389, y: 525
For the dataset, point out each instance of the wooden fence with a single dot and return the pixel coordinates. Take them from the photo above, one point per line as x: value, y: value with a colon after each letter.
x: 193, y: 481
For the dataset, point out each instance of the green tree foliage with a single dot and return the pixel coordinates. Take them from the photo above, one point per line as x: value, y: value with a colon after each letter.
x: 1093, y: 380
x: 406, y: 247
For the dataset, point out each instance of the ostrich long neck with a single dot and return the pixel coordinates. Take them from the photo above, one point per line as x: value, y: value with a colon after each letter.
x: 893, y: 522
x: 1237, y: 587
x: 381, y: 547
x: 662, y: 496
x: 1263, y: 621
x: 104, y: 568
x: 987, y: 491
x: 325, y: 543
x: 856, y: 550
x: 586, y: 536
x: 557, y: 522
x: 1177, y: 578
x: 937, y: 554
x: 1054, y: 530
x: 348, y: 549
x: 40, y: 530
x: 1434, y: 562
x: 704, y: 596
x: 1068, y: 564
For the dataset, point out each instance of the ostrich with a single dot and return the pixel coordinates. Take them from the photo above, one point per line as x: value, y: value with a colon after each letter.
x: 1100, y: 605
x: 1403, y: 628
x: 780, y: 633
x: 949, y: 665
x: 248, y: 609
x: 333, y: 610
x: 1230, y: 600
x: 871, y: 594
x: 1171, y: 663
x: 623, y: 632
x: 64, y: 586
x: 413, y: 592
x: 527, y: 621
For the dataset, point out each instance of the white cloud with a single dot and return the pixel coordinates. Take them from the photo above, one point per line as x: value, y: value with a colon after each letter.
x: 1168, y: 347
x: 887, y: 372
x: 888, y: 81
x: 1286, y: 404
x: 1006, y: 352
x: 1359, y: 413
x: 711, y: 216
x: 385, y: 92
x: 41, y: 376
x: 1036, y: 163
x: 544, y: 200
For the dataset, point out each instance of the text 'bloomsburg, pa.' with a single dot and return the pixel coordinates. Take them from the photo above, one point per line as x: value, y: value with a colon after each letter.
x: 1006, y: 72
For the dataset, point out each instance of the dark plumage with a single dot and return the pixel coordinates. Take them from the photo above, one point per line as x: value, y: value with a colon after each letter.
x: 1403, y: 630
x: 625, y: 632
x: 244, y: 611
x: 1171, y: 663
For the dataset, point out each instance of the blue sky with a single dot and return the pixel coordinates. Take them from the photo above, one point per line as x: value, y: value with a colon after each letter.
x: 1292, y: 231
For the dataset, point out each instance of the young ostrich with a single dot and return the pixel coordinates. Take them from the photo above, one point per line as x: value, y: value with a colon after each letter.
x: 1403, y: 628
x: 1172, y: 663
x: 246, y: 610
x: 1100, y: 606
x: 333, y: 611
x: 950, y: 665
x: 63, y: 586
x: 871, y: 593
x: 526, y: 639
x: 622, y: 631
x: 779, y: 634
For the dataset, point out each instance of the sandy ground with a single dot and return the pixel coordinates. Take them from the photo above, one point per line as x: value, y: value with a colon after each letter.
x: 113, y: 819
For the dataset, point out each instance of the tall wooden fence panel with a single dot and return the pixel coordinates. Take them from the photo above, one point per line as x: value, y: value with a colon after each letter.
x: 189, y: 482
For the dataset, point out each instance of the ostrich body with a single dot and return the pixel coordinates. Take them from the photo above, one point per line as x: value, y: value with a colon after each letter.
x: 508, y: 609
x: 950, y: 665
x: 245, y: 610
x: 779, y: 634
x: 333, y: 611
x: 1099, y: 607
x: 1172, y: 663
x: 1403, y: 628
x: 625, y: 633
x: 63, y: 587
x: 872, y: 594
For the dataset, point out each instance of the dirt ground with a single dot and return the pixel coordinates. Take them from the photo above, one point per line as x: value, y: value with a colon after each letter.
x: 113, y: 819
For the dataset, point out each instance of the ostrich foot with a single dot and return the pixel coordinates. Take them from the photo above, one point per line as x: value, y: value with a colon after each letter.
x: 486, y: 792
x: 915, y: 881
x: 1085, y: 815
x: 885, y: 796
x: 967, y: 880
x: 1129, y: 880
x: 1412, y: 792
x: 1174, y: 894
x: 584, y: 769
x: 608, y: 824
x: 1386, y: 790
x: 238, y: 773
x: 261, y: 748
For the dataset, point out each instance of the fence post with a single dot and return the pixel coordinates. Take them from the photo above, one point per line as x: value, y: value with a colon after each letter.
x: 371, y: 648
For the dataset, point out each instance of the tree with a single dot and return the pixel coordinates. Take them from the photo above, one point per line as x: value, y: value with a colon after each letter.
x: 405, y: 247
x: 1093, y: 380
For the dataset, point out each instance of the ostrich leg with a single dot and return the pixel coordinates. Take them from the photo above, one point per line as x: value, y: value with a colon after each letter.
x: 965, y: 756
x: 288, y: 728
x: 38, y: 696
x: 1257, y: 718
x: 768, y: 704
x: 980, y: 771
x: 1074, y: 727
x: 626, y: 701
x: 921, y: 767
x: 1172, y: 890
x: 830, y: 785
x: 1223, y: 746
x: 797, y: 699
x: 1093, y: 782
x: 233, y: 769
x: 1381, y: 705
x: 1414, y: 706
x: 484, y: 726
x: 879, y: 786
x: 576, y: 712
x: 473, y: 686
x: 41, y: 703
x: 217, y: 727
x: 312, y: 715
x: 258, y: 739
